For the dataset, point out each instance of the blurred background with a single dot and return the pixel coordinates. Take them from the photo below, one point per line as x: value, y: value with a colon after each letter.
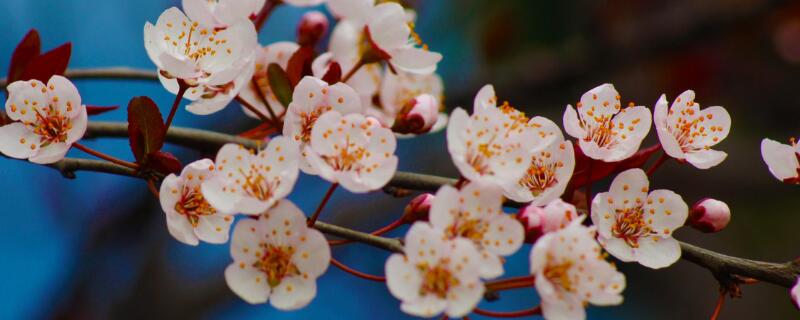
x: 97, y: 247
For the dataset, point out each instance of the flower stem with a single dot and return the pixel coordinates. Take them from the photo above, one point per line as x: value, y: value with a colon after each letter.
x: 265, y: 12
x: 511, y: 283
x: 664, y: 157
x: 105, y: 156
x: 253, y: 109
x: 389, y: 227
x: 356, y: 272
x: 151, y: 184
x: 510, y: 314
x: 353, y: 71
x: 182, y: 87
x: 276, y: 121
x: 321, y: 205
x: 718, y: 308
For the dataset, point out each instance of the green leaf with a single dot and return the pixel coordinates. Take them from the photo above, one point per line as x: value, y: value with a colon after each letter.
x: 280, y: 84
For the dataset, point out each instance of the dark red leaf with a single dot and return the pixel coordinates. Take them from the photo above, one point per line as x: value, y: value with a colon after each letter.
x: 27, y: 50
x: 300, y: 64
x: 95, y: 110
x: 334, y: 73
x: 53, y: 62
x: 601, y: 169
x: 280, y: 84
x: 163, y: 162
x: 146, y: 129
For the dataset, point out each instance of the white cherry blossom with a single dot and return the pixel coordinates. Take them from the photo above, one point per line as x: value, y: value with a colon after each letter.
x: 547, y: 176
x: 313, y: 97
x: 221, y: 14
x: 190, y: 218
x: 571, y: 272
x: 207, y: 99
x: 604, y: 130
x: 495, y: 144
x: 278, y: 53
x: 688, y: 133
x: 198, y: 54
x: 251, y: 183
x: 381, y: 31
x: 435, y: 275
x: 277, y: 258
x: 352, y: 150
x: 634, y: 225
x: 47, y: 120
x: 475, y: 213
x: 782, y: 160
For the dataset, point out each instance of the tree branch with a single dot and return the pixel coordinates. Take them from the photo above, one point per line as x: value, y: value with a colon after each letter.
x: 118, y: 73
x: 782, y: 274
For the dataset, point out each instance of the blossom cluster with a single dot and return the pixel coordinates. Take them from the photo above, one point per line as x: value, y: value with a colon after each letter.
x: 339, y: 118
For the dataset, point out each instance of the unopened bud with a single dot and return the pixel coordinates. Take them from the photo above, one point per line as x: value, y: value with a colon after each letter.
x: 540, y: 220
x: 418, y: 208
x: 312, y: 27
x: 709, y: 215
x: 418, y: 115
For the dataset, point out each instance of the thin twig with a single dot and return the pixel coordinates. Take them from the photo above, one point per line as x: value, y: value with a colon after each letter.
x: 357, y: 273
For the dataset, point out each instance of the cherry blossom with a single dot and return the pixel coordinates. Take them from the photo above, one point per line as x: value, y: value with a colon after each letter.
x: 496, y: 143
x: 198, y: 54
x: 220, y: 14
x: 352, y: 150
x: 782, y: 160
x: 709, y: 215
x: 538, y: 221
x: 47, y: 120
x: 190, y: 217
x: 547, y: 176
x: 633, y: 225
x: 400, y: 89
x: 278, y: 53
x: 435, y: 275
x: 311, y: 98
x: 606, y: 131
x: 571, y: 273
x: 688, y: 133
x: 208, y: 99
x: 379, y: 32
x: 277, y: 258
x: 250, y: 183
x: 475, y: 213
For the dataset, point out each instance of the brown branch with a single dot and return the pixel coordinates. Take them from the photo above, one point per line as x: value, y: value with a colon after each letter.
x: 722, y: 266
x: 119, y: 73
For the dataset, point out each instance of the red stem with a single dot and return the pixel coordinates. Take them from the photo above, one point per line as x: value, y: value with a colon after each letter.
x: 356, y: 272
x: 265, y: 12
x: 105, y: 156
x: 276, y: 121
x: 718, y: 308
x: 510, y: 314
x: 151, y: 184
x: 253, y: 109
x: 321, y: 205
x: 352, y: 71
x: 182, y: 87
x: 512, y: 283
x: 389, y: 227
x: 664, y: 157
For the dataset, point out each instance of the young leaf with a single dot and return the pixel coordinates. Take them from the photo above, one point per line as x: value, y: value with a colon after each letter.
x: 53, y: 62
x: 146, y: 129
x: 95, y: 110
x: 163, y: 162
x: 280, y: 84
x: 27, y: 50
x: 300, y: 64
x: 334, y: 73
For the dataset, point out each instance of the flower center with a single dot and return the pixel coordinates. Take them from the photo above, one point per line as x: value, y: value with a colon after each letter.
x: 193, y: 205
x: 602, y: 132
x: 51, y: 127
x: 346, y: 160
x: 258, y: 186
x: 559, y: 274
x: 541, y: 174
x: 436, y: 280
x: 630, y: 226
x: 472, y: 229
x: 307, y: 120
x: 276, y: 263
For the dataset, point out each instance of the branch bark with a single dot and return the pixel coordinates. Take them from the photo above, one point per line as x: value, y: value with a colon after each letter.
x: 118, y: 73
x: 782, y: 274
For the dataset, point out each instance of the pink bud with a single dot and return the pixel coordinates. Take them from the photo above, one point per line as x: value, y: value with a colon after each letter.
x: 709, y: 215
x: 312, y: 27
x: 418, y: 115
x: 540, y: 220
x: 418, y: 208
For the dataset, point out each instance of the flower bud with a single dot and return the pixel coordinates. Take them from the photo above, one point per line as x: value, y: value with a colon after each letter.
x: 312, y: 27
x: 540, y: 220
x: 418, y: 115
x: 418, y: 208
x: 709, y: 215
